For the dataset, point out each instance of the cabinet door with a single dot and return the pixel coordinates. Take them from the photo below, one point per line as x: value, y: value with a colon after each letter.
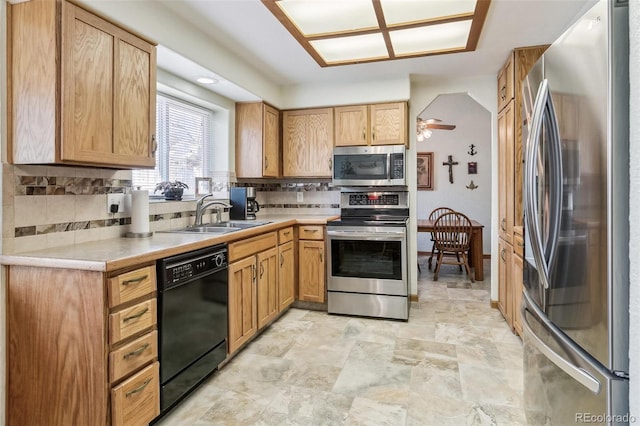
x: 286, y: 275
x: 505, y: 172
x: 388, y: 124
x: 351, y: 126
x: 311, y: 267
x: 506, y: 83
x: 504, y: 281
x: 307, y: 143
x: 108, y: 96
x: 271, y: 142
x: 249, y: 140
x: 242, y: 312
x: 267, y: 286
x: 517, y: 293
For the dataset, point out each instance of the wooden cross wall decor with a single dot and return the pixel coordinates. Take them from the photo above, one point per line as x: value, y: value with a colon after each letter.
x: 450, y: 163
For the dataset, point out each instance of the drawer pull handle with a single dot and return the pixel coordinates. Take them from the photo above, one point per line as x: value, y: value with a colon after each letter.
x: 261, y: 270
x: 503, y: 223
x: 310, y: 230
x: 502, y: 255
x: 136, y: 352
x: 135, y: 280
x: 520, y: 243
x: 138, y: 389
x: 321, y: 256
x: 135, y: 316
x: 286, y: 233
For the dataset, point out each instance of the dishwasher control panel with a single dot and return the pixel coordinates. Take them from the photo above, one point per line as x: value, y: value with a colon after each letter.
x: 192, y: 265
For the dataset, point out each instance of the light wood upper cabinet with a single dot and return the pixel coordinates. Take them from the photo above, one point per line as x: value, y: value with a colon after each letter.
x: 506, y: 83
x: 257, y: 140
x: 505, y: 173
x: 307, y: 142
x: 88, y: 100
x: 377, y: 124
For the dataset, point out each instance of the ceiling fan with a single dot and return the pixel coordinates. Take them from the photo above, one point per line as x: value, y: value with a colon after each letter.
x: 424, y: 127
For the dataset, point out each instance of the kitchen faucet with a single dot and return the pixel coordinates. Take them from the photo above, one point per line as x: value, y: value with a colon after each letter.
x: 201, y: 207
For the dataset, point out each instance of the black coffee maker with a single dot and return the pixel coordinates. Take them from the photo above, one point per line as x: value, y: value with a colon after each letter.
x: 243, y: 203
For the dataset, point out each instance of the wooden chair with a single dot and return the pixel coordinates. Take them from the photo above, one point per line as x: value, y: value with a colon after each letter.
x: 433, y: 216
x: 452, y: 232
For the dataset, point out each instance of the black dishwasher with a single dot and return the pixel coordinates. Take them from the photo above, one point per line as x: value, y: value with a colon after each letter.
x: 192, y: 320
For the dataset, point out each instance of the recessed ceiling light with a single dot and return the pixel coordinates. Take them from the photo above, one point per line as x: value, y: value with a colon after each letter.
x: 356, y: 31
x: 206, y: 80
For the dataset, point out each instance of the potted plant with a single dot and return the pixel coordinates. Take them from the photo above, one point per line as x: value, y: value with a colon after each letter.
x: 171, y: 190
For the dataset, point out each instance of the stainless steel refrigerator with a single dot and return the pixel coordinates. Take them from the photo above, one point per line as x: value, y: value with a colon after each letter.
x: 576, y: 199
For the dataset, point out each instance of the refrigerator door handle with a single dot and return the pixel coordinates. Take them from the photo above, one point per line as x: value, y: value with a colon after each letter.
x: 580, y: 375
x: 530, y: 202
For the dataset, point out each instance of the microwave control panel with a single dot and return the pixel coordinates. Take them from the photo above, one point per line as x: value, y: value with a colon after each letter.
x: 397, y: 166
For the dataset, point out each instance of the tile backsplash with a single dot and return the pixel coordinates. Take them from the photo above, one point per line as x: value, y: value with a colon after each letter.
x: 50, y: 206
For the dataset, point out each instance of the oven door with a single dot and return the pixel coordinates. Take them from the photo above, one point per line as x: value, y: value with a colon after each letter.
x: 367, y: 259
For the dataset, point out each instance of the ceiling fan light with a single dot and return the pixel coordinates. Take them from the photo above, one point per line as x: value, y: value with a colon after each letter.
x: 426, y: 133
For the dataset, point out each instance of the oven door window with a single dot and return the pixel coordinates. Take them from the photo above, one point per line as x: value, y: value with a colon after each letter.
x: 366, y: 259
x: 360, y: 167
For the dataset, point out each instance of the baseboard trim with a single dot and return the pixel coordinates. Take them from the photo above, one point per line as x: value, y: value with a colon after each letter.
x: 413, y: 298
x: 494, y: 304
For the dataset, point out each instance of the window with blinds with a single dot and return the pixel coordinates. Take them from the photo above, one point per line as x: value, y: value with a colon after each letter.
x: 184, y: 133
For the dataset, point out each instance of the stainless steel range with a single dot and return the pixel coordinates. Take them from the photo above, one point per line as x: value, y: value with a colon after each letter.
x: 367, y: 265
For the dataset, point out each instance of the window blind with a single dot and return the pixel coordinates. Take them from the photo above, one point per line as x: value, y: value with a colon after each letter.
x: 184, y: 133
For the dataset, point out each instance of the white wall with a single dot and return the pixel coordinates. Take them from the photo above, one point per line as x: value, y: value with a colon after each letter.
x: 423, y: 91
x: 473, y: 126
x: 634, y: 207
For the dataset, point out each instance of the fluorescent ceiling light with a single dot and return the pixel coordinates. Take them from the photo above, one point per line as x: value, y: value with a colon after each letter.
x: 433, y: 38
x: 342, y: 32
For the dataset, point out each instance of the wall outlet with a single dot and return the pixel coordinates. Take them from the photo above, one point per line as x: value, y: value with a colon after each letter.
x: 299, y: 197
x: 117, y: 200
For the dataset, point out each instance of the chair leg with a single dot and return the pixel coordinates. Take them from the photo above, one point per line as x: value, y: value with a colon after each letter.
x: 438, y: 263
x: 433, y: 250
x: 466, y: 266
x: 459, y: 263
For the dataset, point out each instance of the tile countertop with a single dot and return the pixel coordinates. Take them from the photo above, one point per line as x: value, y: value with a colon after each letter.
x: 119, y: 253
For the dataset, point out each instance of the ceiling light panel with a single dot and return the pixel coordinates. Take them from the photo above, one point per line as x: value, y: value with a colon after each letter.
x: 351, y: 49
x: 316, y: 17
x: 432, y: 38
x: 397, y: 12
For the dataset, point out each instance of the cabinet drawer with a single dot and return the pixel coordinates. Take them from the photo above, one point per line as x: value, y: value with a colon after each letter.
x: 285, y: 235
x: 136, y: 401
x: 130, y: 321
x: 311, y: 232
x: 131, y: 285
x: 126, y: 359
x: 252, y: 246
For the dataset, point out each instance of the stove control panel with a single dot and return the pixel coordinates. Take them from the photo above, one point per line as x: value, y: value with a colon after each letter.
x: 373, y: 199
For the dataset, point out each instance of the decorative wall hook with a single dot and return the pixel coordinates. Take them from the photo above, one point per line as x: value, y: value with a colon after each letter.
x: 472, y: 151
x: 472, y: 185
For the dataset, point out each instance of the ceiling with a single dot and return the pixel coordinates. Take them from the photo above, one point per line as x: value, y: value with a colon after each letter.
x: 250, y: 31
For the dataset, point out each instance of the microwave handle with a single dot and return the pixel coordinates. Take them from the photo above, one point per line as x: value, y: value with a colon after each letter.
x: 389, y: 167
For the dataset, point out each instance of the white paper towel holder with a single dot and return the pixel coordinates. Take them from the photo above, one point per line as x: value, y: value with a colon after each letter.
x: 138, y: 234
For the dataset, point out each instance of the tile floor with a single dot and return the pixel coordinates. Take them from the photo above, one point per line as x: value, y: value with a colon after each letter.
x: 455, y: 362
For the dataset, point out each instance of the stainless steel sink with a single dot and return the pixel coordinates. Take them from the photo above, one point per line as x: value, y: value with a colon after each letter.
x: 219, y: 228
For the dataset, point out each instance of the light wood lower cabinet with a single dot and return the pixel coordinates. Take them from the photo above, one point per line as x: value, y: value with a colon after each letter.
x: 505, y: 277
x: 286, y: 275
x: 311, y: 271
x: 243, y: 312
x: 68, y: 360
x: 267, y: 286
x: 517, y: 293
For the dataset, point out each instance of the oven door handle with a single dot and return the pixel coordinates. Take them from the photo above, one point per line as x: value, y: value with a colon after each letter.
x: 369, y: 236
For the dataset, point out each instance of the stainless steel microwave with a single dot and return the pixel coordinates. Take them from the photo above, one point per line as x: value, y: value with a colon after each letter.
x: 383, y: 165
